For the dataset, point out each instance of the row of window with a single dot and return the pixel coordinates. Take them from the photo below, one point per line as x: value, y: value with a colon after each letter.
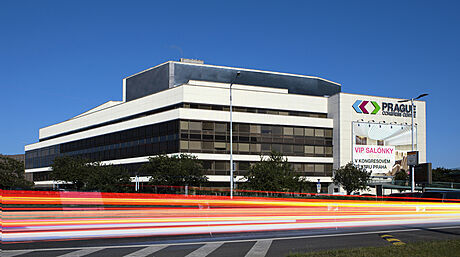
x: 247, y: 148
x: 254, y: 110
x: 242, y: 168
x: 160, y: 130
x: 95, y: 154
x: 196, y: 106
x: 194, y: 137
x: 223, y: 168
x: 211, y: 127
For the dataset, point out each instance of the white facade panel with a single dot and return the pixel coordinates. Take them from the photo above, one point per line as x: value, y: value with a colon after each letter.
x: 343, y: 113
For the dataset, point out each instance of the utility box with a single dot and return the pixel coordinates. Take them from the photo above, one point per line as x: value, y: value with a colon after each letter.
x: 423, y: 173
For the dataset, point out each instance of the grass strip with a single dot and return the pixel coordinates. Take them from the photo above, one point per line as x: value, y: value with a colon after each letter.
x: 420, y: 249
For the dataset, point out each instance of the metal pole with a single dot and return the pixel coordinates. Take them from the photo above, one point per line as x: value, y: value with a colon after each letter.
x: 412, y: 138
x: 231, y: 144
x: 231, y: 136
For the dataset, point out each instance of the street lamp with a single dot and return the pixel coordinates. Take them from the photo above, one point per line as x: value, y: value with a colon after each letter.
x: 231, y: 135
x: 412, y: 133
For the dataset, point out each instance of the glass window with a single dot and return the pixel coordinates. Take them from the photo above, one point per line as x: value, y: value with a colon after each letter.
x: 235, y: 127
x: 319, y: 132
x: 298, y: 149
x: 298, y: 167
x: 220, y: 145
x: 244, y: 165
x: 195, y: 136
x: 204, y: 107
x: 208, y: 125
x: 277, y: 130
x: 287, y: 149
x: 255, y: 129
x: 319, y: 149
x: 195, y: 125
x: 266, y: 147
x: 380, y: 142
x: 221, y: 127
x: 220, y: 138
x: 276, y: 147
x: 288, y: 131
x: 184, y: 145
x: 208, y: 145
x: 207, y: 165
x: 328, y: 150
x: 283, y: 113
x: 309, y: 132
x: 221, y: 165
x: 255, y: 148
x: 328, y: 133
x: 319, y: 168
x: 298, y: 131
x: 195, y: 145
x: 243, y: 147
x: 266, y: 129
x: 244, y: 128
x: 309, y: 167
x: 309, y: 149
x: 328, y: 169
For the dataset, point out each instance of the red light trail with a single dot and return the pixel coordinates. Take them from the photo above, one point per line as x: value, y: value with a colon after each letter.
x: 57, y: 215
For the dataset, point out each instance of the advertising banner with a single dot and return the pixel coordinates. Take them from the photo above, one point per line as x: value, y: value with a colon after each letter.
x: 381, y: 147
x: 378, y: 159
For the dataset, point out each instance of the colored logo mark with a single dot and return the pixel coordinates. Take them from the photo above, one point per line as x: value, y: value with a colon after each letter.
x: 360, y: 107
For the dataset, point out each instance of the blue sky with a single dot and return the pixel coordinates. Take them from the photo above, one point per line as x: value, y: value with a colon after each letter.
x: 61, y: 58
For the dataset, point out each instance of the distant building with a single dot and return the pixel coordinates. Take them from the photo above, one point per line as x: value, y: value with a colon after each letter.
x: 17, y: 157
x: 183, y: 107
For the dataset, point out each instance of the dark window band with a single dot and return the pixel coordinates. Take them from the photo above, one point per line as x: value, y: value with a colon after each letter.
x: 194, y: 106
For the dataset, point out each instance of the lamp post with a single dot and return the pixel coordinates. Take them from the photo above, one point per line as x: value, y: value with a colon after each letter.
x: 412, y: 189
x: 231, y: 135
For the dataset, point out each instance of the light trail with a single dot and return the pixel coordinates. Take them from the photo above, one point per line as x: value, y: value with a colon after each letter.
x: 39, y: 215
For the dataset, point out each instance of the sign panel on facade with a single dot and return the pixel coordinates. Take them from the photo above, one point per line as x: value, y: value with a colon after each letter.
x: 383, y: 108
x: 381, y: 148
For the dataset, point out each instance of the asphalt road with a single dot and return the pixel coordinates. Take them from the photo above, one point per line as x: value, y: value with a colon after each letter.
x: 268, y: 243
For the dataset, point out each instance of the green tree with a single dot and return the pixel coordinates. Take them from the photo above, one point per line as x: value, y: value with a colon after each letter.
x: 90, y: 176
x: 107, y: 178
x: 274, y: 173
x: 175, y: 170
x: 441, y: 174
x: 74, y: 170
x: 351, y: 178
x: 12, y: 175
x: 401, y: 177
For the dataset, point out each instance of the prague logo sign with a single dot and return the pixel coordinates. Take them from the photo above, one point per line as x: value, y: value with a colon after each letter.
x: 388, y: 109
x: 360, y: 107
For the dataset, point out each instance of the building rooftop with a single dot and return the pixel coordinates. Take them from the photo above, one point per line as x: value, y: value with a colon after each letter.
x: 173, y: 73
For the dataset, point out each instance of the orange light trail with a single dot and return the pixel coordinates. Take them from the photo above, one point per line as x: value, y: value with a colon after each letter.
x: 39, y: 215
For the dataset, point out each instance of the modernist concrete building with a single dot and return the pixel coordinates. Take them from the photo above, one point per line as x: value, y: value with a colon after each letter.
x: 183, y: 107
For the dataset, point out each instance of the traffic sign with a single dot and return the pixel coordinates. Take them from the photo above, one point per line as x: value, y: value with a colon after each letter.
x: 412, y: 158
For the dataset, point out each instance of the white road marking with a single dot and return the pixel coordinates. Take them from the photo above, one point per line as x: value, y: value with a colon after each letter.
x: 146, y: 251
x: 234, y: 241
x: 15, y: 253
x: 82, y: 252
x: 204, y: 250
x: 259, y: 249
